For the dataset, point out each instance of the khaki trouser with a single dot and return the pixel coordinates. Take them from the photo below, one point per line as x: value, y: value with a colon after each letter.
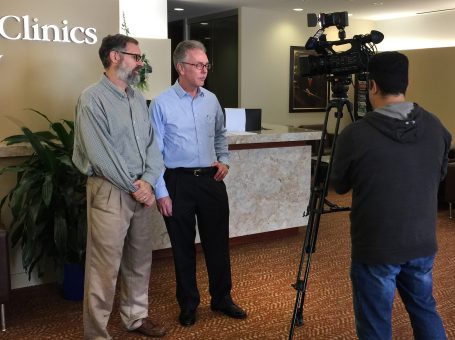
x: 119, y: 236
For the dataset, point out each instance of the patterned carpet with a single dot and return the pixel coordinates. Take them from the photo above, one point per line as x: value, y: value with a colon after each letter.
x: 262, y: 277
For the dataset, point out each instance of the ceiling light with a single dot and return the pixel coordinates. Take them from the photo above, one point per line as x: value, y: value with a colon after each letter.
x: 178, y: 9
x: 204, y: 23
x: 298, y: 9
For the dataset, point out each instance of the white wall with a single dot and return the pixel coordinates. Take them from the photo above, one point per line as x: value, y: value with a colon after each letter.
x: 158, y: 52
x: 265, y: 37
x: 431, y: 83
x: 422, y: 31
x: 144, y: 18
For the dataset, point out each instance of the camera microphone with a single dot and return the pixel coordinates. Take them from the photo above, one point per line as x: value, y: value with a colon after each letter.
x: 374, y: 37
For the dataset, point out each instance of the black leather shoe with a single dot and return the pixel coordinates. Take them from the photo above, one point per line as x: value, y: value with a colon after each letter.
x: 230, y: 309
x: 187, y: 318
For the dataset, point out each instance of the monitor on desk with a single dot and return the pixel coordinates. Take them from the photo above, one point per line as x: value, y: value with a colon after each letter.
x: 253, y: 119
x: 240, y: 119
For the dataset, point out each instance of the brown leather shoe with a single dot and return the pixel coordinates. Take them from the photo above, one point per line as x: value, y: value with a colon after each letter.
x: 151, y: 329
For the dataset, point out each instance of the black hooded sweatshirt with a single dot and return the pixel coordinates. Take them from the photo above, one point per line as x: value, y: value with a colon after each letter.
x: 394, y: 168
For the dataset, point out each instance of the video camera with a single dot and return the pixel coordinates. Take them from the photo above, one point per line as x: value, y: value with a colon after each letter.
x: 327, y: 60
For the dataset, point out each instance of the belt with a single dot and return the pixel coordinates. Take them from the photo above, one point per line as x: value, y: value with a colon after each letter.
x: 208, y: 171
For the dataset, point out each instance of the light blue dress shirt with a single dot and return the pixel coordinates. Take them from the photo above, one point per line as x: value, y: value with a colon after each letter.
x: 190, y: 131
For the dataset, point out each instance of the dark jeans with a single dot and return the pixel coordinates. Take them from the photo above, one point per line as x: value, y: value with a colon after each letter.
x: 203, y: 198
x: 374, y: 291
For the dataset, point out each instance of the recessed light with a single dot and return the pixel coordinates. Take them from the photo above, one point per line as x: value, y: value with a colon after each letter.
x: 298, y: 9
x: 178, y: 9
x: 204, y: 23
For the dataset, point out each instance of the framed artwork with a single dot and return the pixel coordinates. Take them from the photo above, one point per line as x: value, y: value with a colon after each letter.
x: 306, y: 94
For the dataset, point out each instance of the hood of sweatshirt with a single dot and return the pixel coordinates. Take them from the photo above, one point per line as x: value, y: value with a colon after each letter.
x: 403, y: 128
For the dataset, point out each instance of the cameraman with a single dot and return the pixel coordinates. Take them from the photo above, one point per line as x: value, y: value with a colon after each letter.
x: 393, y: 160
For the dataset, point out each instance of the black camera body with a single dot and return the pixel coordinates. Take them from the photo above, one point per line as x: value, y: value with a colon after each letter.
x: 328, y: 61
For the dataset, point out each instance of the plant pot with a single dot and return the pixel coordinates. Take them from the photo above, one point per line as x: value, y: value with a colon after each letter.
x: 73, y: 281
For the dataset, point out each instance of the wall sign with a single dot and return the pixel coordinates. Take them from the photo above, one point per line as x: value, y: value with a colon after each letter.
x: 13, y: 27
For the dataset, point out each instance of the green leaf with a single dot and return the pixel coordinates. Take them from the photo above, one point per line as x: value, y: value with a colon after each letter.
x: 48, y: 188
x: 28, y: 246
x: 12, y: 168
x: 62, y: 135
x: 70, y: 124
x: 39, y: 260
x: 46, y: 157
x: 41, y: 135
x: 1, y: 204
x: 22, y: 188
x: 41, y: 114
x: 60, y: 234
x: 16, y: 234
x: 65, y: 159
x: 33, y: 212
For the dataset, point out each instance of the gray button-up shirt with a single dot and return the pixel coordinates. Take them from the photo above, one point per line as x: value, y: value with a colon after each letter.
x: 114, y: 136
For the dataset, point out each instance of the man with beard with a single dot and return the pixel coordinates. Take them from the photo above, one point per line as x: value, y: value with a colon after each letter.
x: 189, y: 126
x: 114, y: 145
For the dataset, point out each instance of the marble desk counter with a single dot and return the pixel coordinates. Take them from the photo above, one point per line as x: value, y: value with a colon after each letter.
x: 273, y: 133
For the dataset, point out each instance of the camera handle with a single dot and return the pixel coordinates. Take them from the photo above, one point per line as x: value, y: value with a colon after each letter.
x: 317, y: 200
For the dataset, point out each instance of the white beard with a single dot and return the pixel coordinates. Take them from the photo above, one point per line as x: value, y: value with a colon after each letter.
x: 127, y: 76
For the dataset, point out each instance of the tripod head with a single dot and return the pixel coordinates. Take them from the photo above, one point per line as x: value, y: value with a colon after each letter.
x: 340, y: 85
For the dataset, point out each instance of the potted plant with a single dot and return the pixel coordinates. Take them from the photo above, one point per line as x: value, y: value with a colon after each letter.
x: 48, y: 202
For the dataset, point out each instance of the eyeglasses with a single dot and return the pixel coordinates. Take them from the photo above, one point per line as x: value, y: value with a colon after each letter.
x: 136, y: 57
x: 199, y: 66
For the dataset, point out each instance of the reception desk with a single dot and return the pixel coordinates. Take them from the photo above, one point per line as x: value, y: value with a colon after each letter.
x: 268, y: 182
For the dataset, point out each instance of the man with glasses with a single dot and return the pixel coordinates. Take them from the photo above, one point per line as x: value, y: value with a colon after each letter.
x: 189, y: 126
x: 114, y: 145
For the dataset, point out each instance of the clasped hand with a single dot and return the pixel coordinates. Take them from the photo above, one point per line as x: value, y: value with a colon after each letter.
x: 144, y: 193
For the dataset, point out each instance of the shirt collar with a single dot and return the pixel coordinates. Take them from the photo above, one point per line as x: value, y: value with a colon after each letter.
x: 114, y: 89
x: 181, y: 92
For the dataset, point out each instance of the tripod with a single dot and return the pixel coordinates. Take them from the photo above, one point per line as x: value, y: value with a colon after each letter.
x: 318, y: 194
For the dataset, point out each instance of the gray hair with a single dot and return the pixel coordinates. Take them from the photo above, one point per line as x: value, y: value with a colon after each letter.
x: 181, y: 49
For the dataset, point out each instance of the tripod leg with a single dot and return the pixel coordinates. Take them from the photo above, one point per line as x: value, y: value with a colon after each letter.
x: 315, y: 209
